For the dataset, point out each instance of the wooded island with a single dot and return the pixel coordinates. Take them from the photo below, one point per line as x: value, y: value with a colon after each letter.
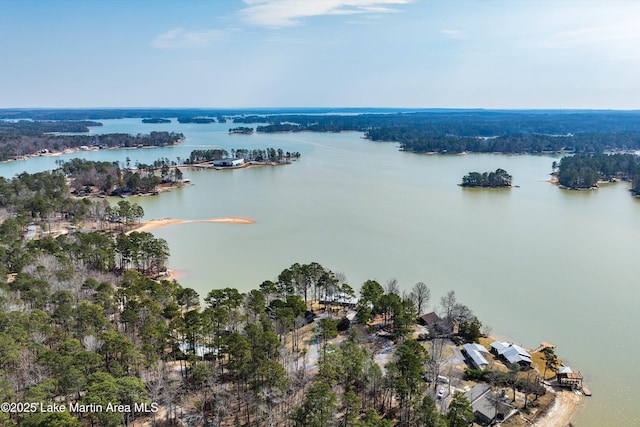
x: 498, y: 179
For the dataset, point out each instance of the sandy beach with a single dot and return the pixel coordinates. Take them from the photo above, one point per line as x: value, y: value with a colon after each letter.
x: 564, y: 409
x: 157, y: 223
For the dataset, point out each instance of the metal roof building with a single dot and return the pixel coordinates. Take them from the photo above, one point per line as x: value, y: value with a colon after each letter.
x: 475, y: 354
x: 512, y: 353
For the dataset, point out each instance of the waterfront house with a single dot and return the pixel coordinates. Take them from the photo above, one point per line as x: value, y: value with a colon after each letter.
x: 487, y: 406
x: 339, y: 298
x: 436, y: 325
x: 475, y: 355
x: 569, y: 378
x: 511, y: 354
x: 228, y: 161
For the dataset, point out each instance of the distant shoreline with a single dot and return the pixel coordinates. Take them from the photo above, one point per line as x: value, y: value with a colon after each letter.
x: 79, y: 150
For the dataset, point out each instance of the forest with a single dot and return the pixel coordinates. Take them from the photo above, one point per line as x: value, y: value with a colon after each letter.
x: 24, y: 138
x: 88, y: 320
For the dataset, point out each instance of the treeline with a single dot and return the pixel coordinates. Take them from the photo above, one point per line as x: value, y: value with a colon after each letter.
x: 584, y: 171
x: 198, y: 156
x: 264, y: 155
x: 475, y: 131
x: 110, y: 113
x: 412, y: 140
x: 199, y: 120
x: 31, y: 127
x: 156, y: 120
x: 12, y: 146
x: 471, y: 123
x: 499, y: 178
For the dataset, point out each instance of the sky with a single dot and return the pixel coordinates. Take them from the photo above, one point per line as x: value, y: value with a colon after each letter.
x: 522, y: 54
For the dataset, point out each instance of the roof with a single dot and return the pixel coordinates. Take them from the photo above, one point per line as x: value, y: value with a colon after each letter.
x: 477, y: 392
x: 430, y: 318
x: 485, y: 403
x: 477, y: 347
x: 565, y: 370
x: 474, y: 351
x: 340, y: 298
x: 514, y: 356
x: 499, y: 347
x: 512, y: 352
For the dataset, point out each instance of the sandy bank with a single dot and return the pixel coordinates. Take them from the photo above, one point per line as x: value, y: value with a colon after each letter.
x: 564, y: 409
x: 157, y: 223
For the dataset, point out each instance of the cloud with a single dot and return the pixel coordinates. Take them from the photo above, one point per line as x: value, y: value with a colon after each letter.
x: 285, y: 13
x: 596, y: 35
x: 180, y: 38
x: 454, y: 34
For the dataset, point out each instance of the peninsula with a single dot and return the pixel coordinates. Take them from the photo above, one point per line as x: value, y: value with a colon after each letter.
x: 26, y: 138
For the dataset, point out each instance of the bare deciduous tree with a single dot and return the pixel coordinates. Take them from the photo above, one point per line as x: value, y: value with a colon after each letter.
x: 448, y: 303
x: 420, y: 295
x: 392, y: 286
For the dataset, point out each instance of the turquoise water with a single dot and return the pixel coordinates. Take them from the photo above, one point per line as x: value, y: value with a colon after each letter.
x: 536, y: 263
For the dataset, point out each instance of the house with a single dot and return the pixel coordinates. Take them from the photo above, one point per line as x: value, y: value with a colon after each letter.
x: 339, y: 298
x: 568, y: 378
x: 475, y: 355
x: 511, y: 354
x: 228, y: 161
x: 437, y: 326
x: 429, y: 319
x: 198, y: 349
x: 487, y: 406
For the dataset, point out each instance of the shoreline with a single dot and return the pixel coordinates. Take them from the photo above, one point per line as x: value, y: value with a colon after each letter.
x: 566, y: 405
x: 78, y: 150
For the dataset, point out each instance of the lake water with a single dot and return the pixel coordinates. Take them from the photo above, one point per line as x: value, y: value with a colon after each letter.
x: 536, y: 263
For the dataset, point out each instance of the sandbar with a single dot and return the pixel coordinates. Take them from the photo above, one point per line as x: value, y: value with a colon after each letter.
x: 157, y: 223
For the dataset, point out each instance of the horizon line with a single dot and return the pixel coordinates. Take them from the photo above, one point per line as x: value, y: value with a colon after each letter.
x: 320, y: 108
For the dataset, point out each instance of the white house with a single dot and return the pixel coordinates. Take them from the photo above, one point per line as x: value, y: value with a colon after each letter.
x: 228, y: 161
